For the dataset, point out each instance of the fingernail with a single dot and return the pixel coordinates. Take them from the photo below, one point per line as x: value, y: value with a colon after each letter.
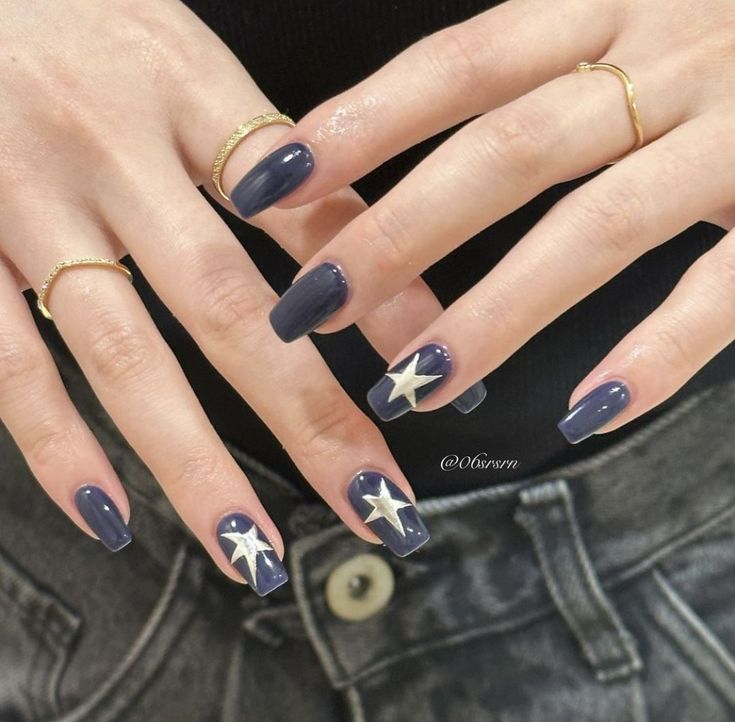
x: 251, y: 553
x: 388, y: 512
x: 103, y: 517
x: 273, y: 178
x: 470, y: 399
x: 595, y: 410
x: 410, y: 381
x: 309, y: 302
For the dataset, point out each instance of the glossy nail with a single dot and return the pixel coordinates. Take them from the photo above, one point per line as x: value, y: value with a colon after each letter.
x: 388, y: 512
x: 103, y: 517
x: 251, y: 553
x: 273, y: 178
x: 410, y: 381
x: 470, y: 399
x: 309, y: 302
x: 595, y: 410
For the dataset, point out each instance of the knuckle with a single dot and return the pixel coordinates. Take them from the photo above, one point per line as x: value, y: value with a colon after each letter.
x: 230, y: 306
x: 332, y: 426
x: 517, y: 137
x: 670, y: 341
x: 493, y: 308
x: 119, y: 352
x: 387, y: 239
x: 196, y: 473
x: 610, y: 221
x: 453, y: 58
x: 19, y: 364
x: 719, y: 266
x: 52, y: 442
x: 157, y: 40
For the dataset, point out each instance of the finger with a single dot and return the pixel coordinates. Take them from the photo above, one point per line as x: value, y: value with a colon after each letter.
x: 491, y: 167
x: 448, y: 77
x: 202, y: 274
x: 662, y: 353
x: 61, y: 451
x: 585, y: 240
x: 211, y: 113
x: 141, y: 385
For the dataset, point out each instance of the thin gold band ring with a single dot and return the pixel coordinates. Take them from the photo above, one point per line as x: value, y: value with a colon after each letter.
x: 63, y: 265
x: 236, y: 138
x: 635, y: 117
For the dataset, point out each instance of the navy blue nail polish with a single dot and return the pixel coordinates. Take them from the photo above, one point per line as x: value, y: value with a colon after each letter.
x: 388, y: 512
x: 309, y: 302
x: 410, y: 381
x: 470, y: 399
x: 595, y: 410
x: 273, y: 178
x: 251, y: 553
x: 103, y: 517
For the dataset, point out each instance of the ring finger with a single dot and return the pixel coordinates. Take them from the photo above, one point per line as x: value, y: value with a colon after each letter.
x: 61, y: 451
x: 139, y: 382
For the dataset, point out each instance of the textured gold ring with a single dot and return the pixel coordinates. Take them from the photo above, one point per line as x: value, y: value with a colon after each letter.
x: 236, y: 138
x: 63, y: 265
x: 629, y: 95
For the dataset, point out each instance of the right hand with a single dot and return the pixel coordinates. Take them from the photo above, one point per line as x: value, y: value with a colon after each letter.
x: 112, y: 114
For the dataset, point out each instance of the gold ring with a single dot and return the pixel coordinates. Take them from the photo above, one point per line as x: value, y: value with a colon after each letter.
x: 63, y: 265
x: 236, y: 138
x: 630, y: 97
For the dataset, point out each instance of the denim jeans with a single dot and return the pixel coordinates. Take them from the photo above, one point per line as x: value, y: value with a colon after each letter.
x: 600, y: 592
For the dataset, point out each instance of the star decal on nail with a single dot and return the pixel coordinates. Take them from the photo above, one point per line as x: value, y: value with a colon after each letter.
x: 386, y: 507
x: 407, y: 381
x: 247, y: 546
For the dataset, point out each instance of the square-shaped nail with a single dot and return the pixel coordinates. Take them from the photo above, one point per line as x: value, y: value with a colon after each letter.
x: 597, y: 409
x: 470, y: 399
x: 103, y: 517
x: 309, y: 302
x: 388, y: 512
x: 273, y: 178
x: 251, y: 553
x: 410, y: 381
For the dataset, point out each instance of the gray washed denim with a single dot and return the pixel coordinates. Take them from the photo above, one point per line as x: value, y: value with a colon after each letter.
x: 600, y: 592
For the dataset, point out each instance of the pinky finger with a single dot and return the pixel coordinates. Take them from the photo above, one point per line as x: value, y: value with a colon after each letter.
x: 61, y: 451
x: 663, y: 352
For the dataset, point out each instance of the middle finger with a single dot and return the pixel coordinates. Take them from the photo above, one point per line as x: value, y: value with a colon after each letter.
x: 485, y: 171
x: 211, y: 285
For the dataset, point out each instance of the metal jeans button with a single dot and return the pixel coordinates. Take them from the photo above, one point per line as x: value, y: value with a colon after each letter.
x: 360, y: 587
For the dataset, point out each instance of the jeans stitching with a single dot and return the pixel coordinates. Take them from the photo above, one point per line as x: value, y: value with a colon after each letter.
x: 355, y: 702
x: 155, y: 622
x: 695, y: 624
x: 607, y: 662
x: 331, y: 658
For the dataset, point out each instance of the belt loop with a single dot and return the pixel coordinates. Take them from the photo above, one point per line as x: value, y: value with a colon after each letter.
x: 547, y: 514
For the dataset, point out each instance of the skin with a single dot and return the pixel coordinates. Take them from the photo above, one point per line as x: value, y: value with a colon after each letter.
x: 110, y: 120
x: 537, y: 124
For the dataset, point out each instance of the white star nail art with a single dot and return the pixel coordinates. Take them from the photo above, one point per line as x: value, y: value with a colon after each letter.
x: 386, y: 507
x: 247, y: 546
x: 407, y: 381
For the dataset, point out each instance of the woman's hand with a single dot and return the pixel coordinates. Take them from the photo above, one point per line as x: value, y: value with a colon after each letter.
x: 112, y: 114
x: 540, y: 124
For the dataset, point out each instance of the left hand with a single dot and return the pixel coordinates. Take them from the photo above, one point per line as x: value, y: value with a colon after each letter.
x: 540, y: 124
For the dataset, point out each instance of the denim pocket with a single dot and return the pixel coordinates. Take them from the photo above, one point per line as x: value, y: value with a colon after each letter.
x: 37, y: 631
x: 683, y: 614
x: 697, y: 585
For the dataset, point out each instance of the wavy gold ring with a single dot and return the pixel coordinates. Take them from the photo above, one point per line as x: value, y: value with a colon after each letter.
x: 635, y: 117
x: 63, y: 265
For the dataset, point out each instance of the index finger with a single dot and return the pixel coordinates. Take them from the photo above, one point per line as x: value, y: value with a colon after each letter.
x: 442, y: 80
